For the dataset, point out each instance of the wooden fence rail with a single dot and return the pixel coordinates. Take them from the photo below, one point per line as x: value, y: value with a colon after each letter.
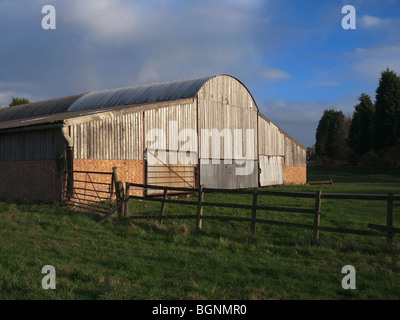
x: 387, y: 230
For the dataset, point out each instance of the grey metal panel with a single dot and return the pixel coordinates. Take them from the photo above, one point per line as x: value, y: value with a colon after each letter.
x: 225, y: 176
x: 272, y: 170
x: 164, y: 91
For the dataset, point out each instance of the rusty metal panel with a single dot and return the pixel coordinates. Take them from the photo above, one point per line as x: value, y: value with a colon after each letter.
x: 272, y: 170
x: 171, y: 168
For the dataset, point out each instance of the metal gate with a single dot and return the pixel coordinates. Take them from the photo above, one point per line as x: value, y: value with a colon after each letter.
x: 272, y: 170
x: 90, y: 191
x: 171, y: 168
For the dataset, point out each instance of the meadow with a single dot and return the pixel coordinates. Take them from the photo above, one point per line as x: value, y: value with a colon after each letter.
x: 130, y: 259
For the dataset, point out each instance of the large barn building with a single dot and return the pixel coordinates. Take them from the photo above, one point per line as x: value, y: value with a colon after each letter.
x: 205, y: 131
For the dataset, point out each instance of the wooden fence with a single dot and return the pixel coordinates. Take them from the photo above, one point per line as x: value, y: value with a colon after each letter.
x: 387, y: 230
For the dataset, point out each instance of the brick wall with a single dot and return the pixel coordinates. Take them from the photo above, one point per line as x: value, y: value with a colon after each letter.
x: 296, y: 175
x: 30, y: 180
x: 128, y: 170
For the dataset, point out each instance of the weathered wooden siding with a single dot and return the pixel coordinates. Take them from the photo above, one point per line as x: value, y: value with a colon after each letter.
x: 32, y: 145
x: 225, y: 104
x: 115, y: 137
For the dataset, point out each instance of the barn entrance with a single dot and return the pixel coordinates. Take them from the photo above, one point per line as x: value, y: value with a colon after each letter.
x: 171, y: 168
x: 272, y: 170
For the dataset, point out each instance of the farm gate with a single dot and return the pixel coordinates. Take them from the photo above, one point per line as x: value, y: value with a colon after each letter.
x: 89, y: 190
x: 171, y: 168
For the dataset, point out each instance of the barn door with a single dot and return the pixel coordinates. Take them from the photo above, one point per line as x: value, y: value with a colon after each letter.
x: 272, y: 170
x: 171, y: 168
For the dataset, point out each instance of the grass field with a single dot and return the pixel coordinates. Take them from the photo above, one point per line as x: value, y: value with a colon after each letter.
x: 131, y: 259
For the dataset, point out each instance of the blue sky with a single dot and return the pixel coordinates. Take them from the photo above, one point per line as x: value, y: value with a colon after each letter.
x: 293, y: 56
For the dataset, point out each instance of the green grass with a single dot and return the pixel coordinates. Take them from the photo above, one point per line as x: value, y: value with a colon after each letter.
x: 132, y: 259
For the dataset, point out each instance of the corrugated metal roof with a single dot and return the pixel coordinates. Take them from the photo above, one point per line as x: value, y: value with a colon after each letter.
x: 37, y: 109
x: 43, y: 111
x: 164, y: 91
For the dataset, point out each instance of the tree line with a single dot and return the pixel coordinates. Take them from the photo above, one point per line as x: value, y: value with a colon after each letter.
x: 370, y: 137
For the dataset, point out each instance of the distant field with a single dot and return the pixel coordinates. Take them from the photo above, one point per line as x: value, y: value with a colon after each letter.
x: 131, y: 259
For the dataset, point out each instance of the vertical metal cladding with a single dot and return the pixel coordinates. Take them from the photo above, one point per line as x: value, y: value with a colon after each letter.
x: 116, y: 137
x: 226, y: 108
x: 32, y: 145
x: 275, y: 147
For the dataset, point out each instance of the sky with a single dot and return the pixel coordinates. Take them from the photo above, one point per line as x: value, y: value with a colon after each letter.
x: 295, y: 57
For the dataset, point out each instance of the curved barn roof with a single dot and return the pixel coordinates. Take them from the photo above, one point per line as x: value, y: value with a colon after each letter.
x: 150, y: 93
x: 164, y: 91
x: 37, y: 109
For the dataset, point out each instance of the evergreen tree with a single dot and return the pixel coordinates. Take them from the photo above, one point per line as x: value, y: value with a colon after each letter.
x: 330, y: 137
x: 387, y: 115
x: 361, y: 128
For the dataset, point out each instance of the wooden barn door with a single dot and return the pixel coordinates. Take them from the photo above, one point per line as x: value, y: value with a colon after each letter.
x: 171, y: 168
x: 272, y: 170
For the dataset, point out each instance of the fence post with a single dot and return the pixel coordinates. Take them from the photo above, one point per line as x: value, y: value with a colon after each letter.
x: 253, y: 213
x: 121, y: 199
x: 126, y: 204
x: 70, y: 173
x: 317, y: 213
x: 162, y: 206
x: 118, y: 188
x: 199, y: 220
x: 389, y: 220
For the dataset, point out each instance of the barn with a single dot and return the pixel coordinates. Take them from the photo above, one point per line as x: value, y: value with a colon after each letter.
x: 184, y: 133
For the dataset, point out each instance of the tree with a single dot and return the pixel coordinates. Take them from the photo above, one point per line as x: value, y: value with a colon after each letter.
x: 361, y: 128
x: 387, y: 115
x: 17, y: 101
x: 330, y: 143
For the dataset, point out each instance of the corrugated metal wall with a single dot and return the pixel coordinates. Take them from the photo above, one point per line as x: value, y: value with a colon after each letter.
x: 121, y: 137
x: 225, y: 104
x: 33, y: 145
x: 276, y: 148
x: 172, y: 122
x: 295, y: 154
x: 271, y: 141
x: 115, y: 137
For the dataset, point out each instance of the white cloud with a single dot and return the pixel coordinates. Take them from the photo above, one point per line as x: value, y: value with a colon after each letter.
x: 104, y: 21
x: 371, y: 21
x: 368, y: 63
x: 274, y: 74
